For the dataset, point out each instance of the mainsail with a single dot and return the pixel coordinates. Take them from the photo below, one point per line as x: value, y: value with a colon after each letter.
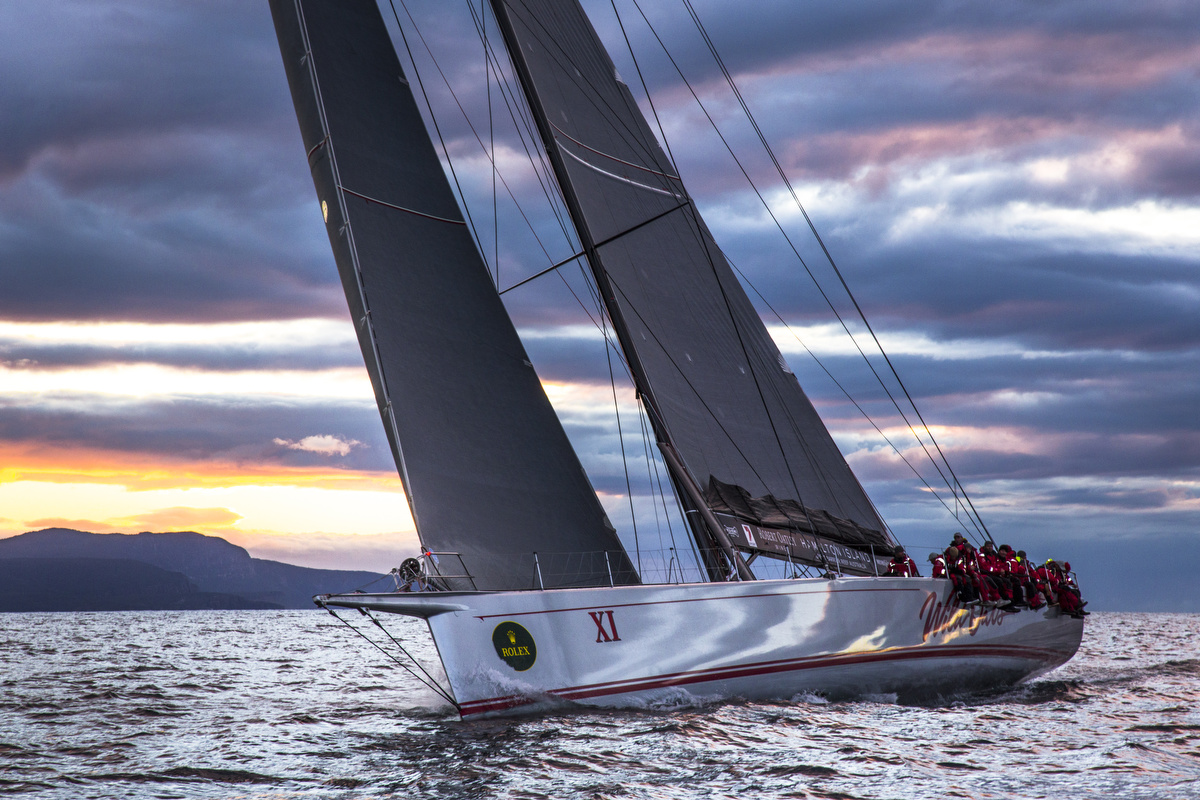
x: 717, y: 389
x: 488, y: 469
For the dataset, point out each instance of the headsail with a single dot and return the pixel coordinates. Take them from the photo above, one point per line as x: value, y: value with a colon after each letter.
x: 488, y: 469
x: 718, y: 390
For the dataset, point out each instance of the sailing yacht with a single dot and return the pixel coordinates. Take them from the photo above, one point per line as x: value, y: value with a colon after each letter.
x: 537, y: 600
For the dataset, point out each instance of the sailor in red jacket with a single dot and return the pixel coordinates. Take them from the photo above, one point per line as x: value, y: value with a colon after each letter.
x: 992, y: 568
x: 1068, y: 600
x: 1047, y: 582
x: 969, y: 562
x: 950, y: 565
x: 901, y: 565
x: 1010, y: 569
x: 1034, y: 594
x: 1071, y: 586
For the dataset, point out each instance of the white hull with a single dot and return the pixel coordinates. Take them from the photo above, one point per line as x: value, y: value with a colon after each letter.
x: 631, y: 645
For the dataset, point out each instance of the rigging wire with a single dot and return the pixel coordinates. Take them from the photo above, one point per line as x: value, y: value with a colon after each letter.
x: 955, y: 486
x: 829, y: 256
x: 424, y: 678
x: 706, y: 244
x: 470, y: 124
x: 437, y: 128
x: 654, y: 479
x: 515, y: 109
x: 449, y: 160
x: 491, y: 148
x: 519, y: 109
x: 624, y: 461
x: 523, y: 127
x: 637, y: 67
x: 745, y: 279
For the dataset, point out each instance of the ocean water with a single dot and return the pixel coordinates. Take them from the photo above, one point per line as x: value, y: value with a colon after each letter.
x: 266, y: 704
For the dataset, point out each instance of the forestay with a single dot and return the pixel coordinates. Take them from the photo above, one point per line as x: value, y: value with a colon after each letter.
x: 486, y: 465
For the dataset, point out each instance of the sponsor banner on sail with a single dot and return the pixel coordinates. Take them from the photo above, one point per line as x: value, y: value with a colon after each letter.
x: 802, y: 547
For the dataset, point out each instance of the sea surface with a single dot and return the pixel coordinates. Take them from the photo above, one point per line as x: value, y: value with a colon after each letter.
x: 291, y: 704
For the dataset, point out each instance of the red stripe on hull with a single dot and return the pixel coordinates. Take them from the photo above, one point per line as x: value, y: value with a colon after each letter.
x: 1050, y: 657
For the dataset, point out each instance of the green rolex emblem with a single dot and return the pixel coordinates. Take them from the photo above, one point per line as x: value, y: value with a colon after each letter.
x: 514, y: 645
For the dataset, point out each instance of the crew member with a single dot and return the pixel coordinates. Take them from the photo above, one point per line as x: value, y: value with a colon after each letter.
x: 991, y: 569
x: 901, y: 565
x: 1008, y: 562
x: 1069, y: 584
x: 1068, y: 600
x: 956, y: 571
x: 1034, y: 589
x: 1047, y: 582
x: 969, y: 559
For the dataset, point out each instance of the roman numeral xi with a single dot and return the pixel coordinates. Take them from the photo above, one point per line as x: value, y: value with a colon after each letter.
x: 604, y: 634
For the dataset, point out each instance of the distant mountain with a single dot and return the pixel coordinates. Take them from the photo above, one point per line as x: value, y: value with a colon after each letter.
x: 211, y: 569
x: 103, y: 584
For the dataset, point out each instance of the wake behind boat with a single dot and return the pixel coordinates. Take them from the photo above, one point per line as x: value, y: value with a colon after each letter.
x: 533, y: 595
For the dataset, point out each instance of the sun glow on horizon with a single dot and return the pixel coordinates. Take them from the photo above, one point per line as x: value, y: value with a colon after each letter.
x: 287, y: 517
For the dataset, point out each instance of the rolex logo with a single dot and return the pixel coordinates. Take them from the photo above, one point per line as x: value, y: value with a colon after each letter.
x: 514, y: 645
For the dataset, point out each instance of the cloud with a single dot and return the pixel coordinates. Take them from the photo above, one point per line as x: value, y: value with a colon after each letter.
x: 132, y: 66
x: 308, y: 344
x: 324, y: 444
x: 185, y: 518
x: 149, y: 184
x: 371, y: 552
x: 163, y: 519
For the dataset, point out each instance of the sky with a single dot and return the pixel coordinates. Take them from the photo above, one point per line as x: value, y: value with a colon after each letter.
x: 1012, y: 191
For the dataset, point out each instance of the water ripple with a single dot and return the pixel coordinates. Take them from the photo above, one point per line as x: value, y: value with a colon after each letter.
x: 284, y: 705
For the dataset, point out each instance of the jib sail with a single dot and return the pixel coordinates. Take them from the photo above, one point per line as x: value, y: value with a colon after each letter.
x: 486, y: 465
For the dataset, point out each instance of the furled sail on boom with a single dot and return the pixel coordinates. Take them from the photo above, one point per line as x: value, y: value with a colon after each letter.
x: 487, y: 467
x: 718, y: 391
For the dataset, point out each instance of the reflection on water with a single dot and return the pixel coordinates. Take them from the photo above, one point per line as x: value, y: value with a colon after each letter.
x: 274, y: 705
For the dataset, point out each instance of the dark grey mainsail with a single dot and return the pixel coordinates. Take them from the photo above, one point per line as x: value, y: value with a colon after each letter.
x: 486, y: 465
x: 718, y: 390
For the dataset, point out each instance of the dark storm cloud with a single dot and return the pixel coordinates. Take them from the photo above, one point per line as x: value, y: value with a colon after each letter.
x: 83, y: 72
x: 890, y: 84
x: 152, y: 170
x: 1140, y: 411
x: 1100, y: 498
x: 1097, y: 456
x: 1040, y: 295
x: 758, y: 38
